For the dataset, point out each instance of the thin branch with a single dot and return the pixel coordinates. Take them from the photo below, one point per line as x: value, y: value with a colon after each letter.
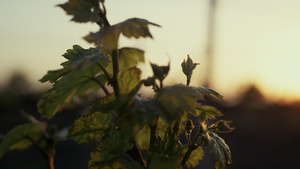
x: 43, y: 153
x: 101, y: 85
x: 102, y: 14
x: 105, y: 72
x: 193, y: 146
x: 115, y: 60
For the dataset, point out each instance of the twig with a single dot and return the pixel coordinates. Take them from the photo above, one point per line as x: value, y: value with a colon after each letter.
x: 105, y: 72
x: 101, y: 85
x: 115, y: 60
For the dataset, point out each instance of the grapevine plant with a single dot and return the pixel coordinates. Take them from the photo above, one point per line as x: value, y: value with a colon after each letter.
x: 129, y: 130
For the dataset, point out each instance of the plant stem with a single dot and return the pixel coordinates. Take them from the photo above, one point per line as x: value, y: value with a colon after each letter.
x: 47, y: 156
x: 172, y: 138
x: 105, y: 72
x: 101, y: 85
x: 191, y: 148
x: 115, y: 60
x: 136, y: 155
x: 51, y: 162
x: 102, y: 14
x: 153, y: 128
x: 153, y: 138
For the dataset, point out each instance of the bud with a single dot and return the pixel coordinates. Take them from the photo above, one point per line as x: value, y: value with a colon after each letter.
x: 189, y: 126
x: 187, y: 67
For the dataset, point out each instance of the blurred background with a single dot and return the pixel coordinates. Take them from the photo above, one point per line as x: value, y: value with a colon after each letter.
x: 248, y: 51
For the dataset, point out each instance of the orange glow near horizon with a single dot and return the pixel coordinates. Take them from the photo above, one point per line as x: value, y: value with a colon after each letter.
x: 256, y: 42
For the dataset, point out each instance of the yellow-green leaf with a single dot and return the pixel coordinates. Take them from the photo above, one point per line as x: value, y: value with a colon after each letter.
x: 134, y: 27
x: 89, y: 127
x: 128, y: 80
x: 177, y: 99
x: 194, y: 158
x: 19, y: 137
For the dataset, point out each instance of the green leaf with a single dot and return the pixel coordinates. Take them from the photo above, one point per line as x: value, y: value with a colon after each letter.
x: 17, y: 138
x: 163, y: 162
x: 78, y: 58
x: 130, y: 57
x: 115, y: 163
x: 220, y: 149
x: 89, y: 127
x: 134, y: 27
x: 128, y: 80
x: 79, y: 75
x: 222, y: 126
x: 206, y: 112
x: 94, y: 37
x: 142, y: 138
x: 105, y: 104
x: 209, y: 92
x: 139, y: 112
x: 82, y: 10
x: 77, y: 82
x: 74, y: 54
x: 110, y: 149
x: 194, y: 158
x: 176, y: 100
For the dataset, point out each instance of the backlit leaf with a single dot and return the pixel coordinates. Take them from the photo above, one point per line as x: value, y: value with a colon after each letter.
x: 17, y: 138
x: 78, y: 58
x: 217, y: 145
x: 194, y: 158
x: 177, y: 99
x: 163, y: 162
x: 105, y: 104
x: 81, y: 10
x: 115, y: 163
x: 128, y: 80
x: 222, y: 126
x: 209, y: 92
x: 134, y: 27
x: 160, y: 72
x: 79, y: 75
x: 77, y: 82
x: 130, y: 57
x: 94, y: 37
x: 111, y: 147
x: 142, y: 138
x: 89, y: 127
x: 207, y: 112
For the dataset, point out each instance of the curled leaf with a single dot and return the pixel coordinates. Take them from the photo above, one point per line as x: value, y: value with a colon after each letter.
x: 160, y: 72
x: 134, y: 27
x: 221, y: 126
x: 81, y: 10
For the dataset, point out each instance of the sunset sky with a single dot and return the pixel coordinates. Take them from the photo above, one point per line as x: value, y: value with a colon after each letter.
x: 257, y: 41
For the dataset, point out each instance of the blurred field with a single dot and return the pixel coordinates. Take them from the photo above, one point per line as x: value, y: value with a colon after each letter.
x: 267, y: 134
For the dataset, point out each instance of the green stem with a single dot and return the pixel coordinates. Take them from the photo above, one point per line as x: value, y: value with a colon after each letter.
x: 192, y: 147
x: 105, y: 72
x: 188, y: 82
x: 48, y: 156
x: 153, y: 138
x: 103, y: 23
x: 101, y: 85
x: 172, y: 138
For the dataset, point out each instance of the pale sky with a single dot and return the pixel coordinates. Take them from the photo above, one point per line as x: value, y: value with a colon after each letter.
x: 257, y: 41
